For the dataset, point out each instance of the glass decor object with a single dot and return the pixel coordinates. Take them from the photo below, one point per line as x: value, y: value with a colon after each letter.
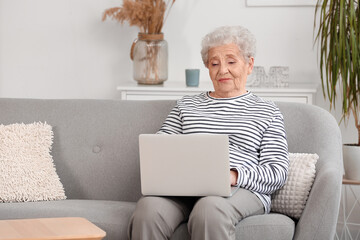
x: 150, y: 51
x: 150, y: 58
x: 279, y: 76
x: 257, y: 76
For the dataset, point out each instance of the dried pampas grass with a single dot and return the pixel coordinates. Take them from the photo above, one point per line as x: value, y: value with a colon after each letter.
x: 148, y: 15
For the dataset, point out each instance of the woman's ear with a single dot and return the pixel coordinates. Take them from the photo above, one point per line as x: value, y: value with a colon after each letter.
x: 251, y: 65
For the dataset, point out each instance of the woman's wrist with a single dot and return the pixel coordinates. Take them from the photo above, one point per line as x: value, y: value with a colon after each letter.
x: 233, y: 177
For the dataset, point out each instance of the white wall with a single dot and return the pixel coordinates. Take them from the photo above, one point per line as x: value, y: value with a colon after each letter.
x: 62, y: 49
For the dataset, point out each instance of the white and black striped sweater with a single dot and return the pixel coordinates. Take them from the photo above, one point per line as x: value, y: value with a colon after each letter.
x: 257, y: 139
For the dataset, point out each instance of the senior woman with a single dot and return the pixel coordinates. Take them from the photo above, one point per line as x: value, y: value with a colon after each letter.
x: 257, y: 146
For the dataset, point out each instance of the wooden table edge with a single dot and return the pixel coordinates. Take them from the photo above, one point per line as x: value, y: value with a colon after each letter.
x: 96, y: 236
x: 350, y: 182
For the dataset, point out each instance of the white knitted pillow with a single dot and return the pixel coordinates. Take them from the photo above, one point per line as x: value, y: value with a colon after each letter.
x: 27, y: 170
x: 291, y: 198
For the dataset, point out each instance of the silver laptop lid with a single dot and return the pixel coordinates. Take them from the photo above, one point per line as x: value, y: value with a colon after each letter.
x: 184, y: 165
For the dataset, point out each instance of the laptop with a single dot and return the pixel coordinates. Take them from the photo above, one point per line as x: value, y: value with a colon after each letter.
x: 185, y: 165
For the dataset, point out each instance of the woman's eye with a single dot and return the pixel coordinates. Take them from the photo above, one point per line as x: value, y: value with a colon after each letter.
x: 231, y: 62
x: 214, y: 64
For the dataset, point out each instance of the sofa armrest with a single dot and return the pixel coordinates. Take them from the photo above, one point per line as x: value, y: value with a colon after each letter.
x: 319, y: 219
x: 311, y: 129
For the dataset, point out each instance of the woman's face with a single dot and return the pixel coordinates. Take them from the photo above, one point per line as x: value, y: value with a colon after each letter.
x: 228, y: 70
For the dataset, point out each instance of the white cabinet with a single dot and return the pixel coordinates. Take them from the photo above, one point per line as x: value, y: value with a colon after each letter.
x: 301, y: 93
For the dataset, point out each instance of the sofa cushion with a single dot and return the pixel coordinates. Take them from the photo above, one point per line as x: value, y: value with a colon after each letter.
x: 268, y: 226
x: 291, y: 198
x: 27, y: 168
x: 111, y: 216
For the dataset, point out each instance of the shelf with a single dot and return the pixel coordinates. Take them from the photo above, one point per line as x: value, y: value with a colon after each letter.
x: 296, y: 92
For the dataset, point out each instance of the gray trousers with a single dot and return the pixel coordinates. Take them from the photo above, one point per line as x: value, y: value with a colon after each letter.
x: 208, y: 218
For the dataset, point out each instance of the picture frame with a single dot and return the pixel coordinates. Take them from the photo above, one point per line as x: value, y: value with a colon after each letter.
x: 294, y: 3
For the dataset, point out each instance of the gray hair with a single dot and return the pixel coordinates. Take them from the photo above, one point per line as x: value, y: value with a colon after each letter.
x: 238, y: 35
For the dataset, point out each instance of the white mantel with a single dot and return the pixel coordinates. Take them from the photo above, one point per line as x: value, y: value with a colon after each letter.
x: 296, y: 92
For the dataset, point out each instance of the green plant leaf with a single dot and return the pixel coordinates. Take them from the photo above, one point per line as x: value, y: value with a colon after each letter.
x: 338, y: 38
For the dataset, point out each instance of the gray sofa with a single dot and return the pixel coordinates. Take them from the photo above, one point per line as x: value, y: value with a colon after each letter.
x: 96, y: 155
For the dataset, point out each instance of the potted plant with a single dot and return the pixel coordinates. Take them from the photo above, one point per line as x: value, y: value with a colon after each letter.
x: 338, y: 37
x: 149, y: 51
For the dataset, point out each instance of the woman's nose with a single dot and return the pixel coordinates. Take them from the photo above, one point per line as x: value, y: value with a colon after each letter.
x: 223, y: 69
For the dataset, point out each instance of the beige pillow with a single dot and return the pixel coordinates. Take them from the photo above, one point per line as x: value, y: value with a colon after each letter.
x: 27, y: 171
x: 291, y: 198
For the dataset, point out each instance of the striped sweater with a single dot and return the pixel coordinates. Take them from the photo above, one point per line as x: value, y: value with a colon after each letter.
x: 257, y: 140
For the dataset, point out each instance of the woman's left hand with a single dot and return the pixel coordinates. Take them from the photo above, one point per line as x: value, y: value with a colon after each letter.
x: 233, y: 177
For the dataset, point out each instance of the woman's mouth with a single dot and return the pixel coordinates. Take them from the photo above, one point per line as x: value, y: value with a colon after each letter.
x: 224, y: 79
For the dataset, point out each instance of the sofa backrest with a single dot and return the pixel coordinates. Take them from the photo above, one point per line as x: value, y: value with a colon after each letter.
x: 311, y: 129
x: 95, y: 147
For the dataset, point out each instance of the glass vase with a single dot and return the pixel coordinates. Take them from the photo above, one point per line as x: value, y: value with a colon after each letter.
x: 150, y: 58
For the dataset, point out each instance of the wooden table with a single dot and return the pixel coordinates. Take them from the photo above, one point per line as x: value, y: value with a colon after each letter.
x: 50, y: 228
